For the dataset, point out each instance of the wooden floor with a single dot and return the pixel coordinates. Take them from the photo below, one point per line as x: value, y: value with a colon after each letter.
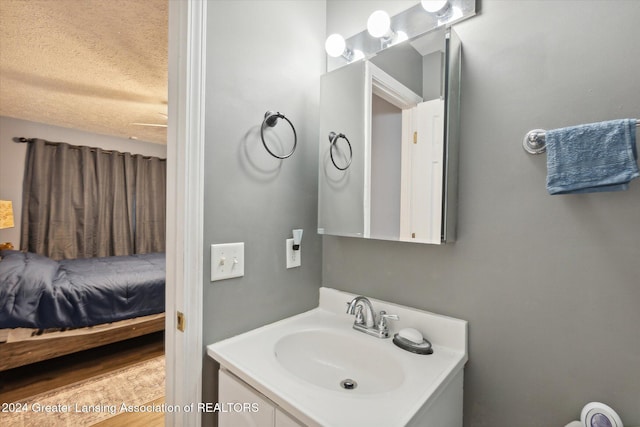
x: 26, y: 381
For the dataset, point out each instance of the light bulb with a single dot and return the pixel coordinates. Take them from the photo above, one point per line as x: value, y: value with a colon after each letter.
x: 400, y: 37
x: 335, y: 45
x: 379, y: 23
x: 456, y: 14
x: 357, y: 55
x: 451, y: 14
x: 434, y: 6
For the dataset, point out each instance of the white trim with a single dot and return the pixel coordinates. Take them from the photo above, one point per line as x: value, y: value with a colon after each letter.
x: 185, y: 180
x: 391, y: 90
x: 405, y: 179
x: 368, y: 123
x: 379, y: 83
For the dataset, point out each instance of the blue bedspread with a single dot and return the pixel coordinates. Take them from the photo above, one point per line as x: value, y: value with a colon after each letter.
x: 38, y: 292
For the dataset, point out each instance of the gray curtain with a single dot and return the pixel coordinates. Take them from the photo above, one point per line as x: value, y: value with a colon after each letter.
x: 150, y: 202
x: 81, y: 202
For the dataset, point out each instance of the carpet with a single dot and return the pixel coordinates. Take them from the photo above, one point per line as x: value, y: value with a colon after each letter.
x: 92, y: 400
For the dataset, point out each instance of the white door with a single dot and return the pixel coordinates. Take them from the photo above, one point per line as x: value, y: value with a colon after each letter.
x: 422, y: 172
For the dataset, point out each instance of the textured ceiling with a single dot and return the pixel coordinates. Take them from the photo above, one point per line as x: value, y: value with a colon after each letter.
x: 93, y: 65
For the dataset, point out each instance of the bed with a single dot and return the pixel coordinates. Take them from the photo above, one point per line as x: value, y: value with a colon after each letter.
x: 49, y: 308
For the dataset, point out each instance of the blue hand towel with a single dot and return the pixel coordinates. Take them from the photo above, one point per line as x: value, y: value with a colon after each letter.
x: 592, y: 157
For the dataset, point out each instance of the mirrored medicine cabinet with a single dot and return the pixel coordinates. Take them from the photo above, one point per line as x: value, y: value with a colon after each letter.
x: 389, y: 142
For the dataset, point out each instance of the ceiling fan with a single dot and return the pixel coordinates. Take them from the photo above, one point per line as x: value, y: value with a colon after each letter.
x: 157, y: 125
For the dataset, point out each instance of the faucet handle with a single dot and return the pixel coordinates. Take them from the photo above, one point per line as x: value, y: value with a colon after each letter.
x: 382, y: 323
x: 359, y: 317
x: 357, y: 310
x: 384, y: 315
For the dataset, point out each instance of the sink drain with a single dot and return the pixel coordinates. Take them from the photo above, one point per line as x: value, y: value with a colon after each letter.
x: 348, y: 384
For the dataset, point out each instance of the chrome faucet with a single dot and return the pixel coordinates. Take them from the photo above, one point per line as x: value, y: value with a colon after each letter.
x: 366, y: 322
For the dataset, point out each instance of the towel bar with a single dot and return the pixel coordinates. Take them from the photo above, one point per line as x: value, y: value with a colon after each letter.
x: 534, y: 141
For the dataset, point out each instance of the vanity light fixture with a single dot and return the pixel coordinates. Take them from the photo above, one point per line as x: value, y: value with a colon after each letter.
x: 379, y: 26
x: 336, y: 47
x: 436, y: 7
x: 383, y: 31
x: 400, y: 37
x: 357, y: 55
x: 443, y: 10
x: 454, y: 15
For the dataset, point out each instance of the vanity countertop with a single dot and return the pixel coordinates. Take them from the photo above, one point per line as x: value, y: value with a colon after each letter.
x: 418, y: 379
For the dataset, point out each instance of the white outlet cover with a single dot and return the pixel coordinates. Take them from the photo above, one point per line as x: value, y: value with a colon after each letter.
x: 294, y: 258
x: 227, y: 261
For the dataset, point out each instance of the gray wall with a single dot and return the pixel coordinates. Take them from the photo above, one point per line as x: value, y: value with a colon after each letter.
x: 386, y: 159
x: 404, y: 64
x: 432, y: 72
x: 550, y: 285
x: 12, y: 157
x: 260, y: 56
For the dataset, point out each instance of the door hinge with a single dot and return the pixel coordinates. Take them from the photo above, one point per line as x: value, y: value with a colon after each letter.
x: 415, y: 137
x: 180, y: 322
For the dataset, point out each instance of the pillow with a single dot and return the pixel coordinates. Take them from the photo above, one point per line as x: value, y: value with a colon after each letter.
x: 7, y: 252
x: 27, y: 267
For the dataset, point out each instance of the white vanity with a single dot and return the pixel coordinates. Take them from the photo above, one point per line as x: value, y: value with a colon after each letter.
x: 314, y: 369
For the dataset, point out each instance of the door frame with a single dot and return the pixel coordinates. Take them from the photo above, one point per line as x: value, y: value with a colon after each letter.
x: 185, y: 194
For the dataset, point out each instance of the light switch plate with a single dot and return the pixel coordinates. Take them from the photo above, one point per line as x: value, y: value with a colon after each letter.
x: 293, y: 257
x: 227, y: 261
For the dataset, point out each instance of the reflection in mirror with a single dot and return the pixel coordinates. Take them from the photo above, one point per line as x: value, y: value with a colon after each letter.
x: 399, y: 112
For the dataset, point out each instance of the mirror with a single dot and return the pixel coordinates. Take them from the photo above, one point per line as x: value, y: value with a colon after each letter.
x: 388, y: 143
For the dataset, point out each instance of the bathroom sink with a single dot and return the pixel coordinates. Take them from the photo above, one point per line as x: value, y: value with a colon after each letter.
x: 339, y: 361
x: 323, y: 372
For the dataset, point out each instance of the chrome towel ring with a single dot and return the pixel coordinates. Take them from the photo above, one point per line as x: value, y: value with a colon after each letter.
x: 270, y: 120
x: 333, y: 138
